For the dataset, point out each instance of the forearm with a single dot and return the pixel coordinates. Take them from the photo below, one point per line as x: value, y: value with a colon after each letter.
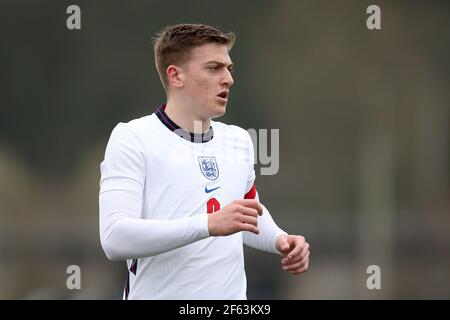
x: 124, y: 235
x: 268, y: 233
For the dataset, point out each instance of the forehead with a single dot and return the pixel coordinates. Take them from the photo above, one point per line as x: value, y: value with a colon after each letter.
x: 208, y: 52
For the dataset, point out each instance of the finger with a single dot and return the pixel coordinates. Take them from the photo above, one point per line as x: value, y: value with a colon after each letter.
x: 248, y: 227
x: 295, y: 259
x: 293, y: 266
x: 249, y: 211
x: 300, y: 245
x: 252, y: 203
x: 300, y: 256
x: 249, y: 219
x: 284, y: 246
x: 298, y: 264
x: 300, y: 270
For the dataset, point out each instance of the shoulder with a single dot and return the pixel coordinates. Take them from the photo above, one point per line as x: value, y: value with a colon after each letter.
x: 136, y: 128
x: 131, y: 136
x: 236, y: 137
x: 231, y: 130
x: 137, y: 125
x: 239, y: 135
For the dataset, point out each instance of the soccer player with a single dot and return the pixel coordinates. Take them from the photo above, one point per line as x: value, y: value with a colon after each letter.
x: 177, y: 190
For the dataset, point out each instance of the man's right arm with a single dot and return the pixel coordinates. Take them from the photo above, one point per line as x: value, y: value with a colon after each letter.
x: 123, y: 232
x: 124, y: 235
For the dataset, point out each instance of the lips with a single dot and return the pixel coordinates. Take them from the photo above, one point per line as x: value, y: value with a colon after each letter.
x: 224, y: 94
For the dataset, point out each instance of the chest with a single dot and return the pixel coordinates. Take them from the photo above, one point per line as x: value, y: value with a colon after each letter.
x: 189, y: 176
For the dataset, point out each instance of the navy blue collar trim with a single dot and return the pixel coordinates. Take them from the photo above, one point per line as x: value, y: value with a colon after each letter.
x: 189, y: 136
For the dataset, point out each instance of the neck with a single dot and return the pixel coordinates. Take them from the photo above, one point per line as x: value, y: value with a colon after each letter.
x: 184, y: 115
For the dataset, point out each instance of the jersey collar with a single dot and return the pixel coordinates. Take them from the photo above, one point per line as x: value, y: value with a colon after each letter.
x: 189, y: 136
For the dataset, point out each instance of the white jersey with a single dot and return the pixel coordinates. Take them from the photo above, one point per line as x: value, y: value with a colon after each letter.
x: 156, y: 189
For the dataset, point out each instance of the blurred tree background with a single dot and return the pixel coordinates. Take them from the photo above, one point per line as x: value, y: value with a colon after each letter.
x: 364, y: 137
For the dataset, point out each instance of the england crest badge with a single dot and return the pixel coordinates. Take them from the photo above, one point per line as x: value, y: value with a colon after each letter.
x: 208, y: 167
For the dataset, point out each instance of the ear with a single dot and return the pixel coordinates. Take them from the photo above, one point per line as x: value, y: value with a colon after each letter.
x: 175, y: 76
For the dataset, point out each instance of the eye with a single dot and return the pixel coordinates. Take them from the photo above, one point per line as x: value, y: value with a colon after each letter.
x: 231, y: 69
x: 213, y: 67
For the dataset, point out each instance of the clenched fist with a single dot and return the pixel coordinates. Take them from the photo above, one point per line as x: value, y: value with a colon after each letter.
x: 239, y: 215
x: 295, y: 252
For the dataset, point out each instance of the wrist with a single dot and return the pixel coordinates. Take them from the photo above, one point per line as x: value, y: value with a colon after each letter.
x: 211, y: 225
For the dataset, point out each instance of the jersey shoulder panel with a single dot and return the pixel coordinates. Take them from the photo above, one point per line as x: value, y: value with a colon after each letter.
x: 231, y: 130
x: 139, y: 124
x: 139, y: 129
x: 237, y: 137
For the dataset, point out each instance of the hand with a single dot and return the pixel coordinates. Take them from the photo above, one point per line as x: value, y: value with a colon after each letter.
x: 240, y: 215
x: 295, y: 251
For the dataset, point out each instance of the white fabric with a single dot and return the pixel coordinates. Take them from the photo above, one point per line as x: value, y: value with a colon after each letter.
x: 268, y: 233
x: 153, y: 203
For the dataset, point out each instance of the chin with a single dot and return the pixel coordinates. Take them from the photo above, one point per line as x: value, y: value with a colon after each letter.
x: 219, y: 111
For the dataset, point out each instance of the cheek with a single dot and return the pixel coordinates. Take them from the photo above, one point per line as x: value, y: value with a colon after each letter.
x: 200, y: 86
x: 204, y: 90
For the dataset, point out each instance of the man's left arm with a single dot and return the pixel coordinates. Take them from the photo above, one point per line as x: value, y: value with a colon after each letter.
x: 268, y: 230
x: 293, y: 248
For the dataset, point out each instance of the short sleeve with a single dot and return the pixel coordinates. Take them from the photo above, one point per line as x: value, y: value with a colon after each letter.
x: 123, y: 167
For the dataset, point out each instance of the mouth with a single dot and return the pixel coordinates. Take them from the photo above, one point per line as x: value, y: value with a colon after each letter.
x: 223, y: 95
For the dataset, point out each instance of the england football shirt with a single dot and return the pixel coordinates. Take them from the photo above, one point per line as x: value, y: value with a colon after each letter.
x: 158, y: 184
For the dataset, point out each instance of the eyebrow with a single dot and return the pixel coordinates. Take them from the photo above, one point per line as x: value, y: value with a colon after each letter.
x: 221, y: 64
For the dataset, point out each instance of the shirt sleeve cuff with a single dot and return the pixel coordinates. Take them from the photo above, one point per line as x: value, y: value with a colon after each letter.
x: 200, y: 221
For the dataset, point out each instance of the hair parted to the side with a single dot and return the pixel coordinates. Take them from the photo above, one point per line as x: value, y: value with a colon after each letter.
x: 172, y: 45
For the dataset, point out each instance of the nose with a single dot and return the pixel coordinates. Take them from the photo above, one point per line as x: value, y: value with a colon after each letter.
x: 227, y: 80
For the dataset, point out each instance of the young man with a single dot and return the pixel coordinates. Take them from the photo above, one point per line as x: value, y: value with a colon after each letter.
x: 177, y: 194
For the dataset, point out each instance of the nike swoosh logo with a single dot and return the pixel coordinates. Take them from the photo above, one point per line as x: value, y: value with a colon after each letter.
x: 210, y: 190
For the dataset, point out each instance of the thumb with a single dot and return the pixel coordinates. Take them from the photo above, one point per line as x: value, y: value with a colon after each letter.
x: 283, y: 244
